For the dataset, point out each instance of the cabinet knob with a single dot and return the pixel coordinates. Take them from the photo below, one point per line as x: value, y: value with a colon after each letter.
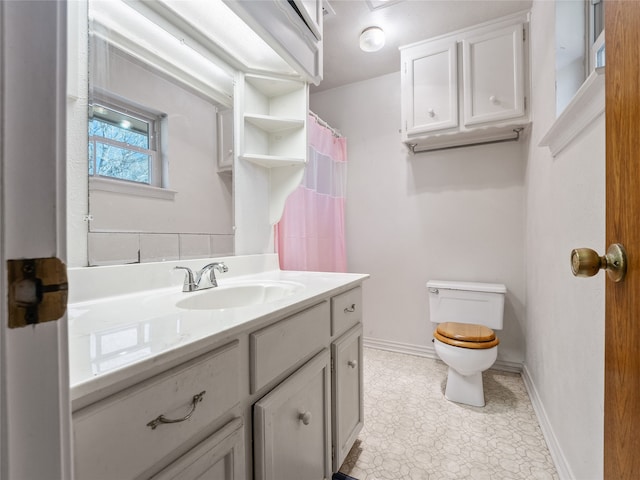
x: 493, y: 99
x: 305, y: 417
x: 352, y: 363
x: 431, y: 112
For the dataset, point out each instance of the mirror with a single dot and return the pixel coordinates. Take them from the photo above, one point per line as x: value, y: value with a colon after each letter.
x: 157, y: 142
x: 157, y: 89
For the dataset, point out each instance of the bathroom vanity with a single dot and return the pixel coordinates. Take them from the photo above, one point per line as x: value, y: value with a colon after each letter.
x: 260, y: 377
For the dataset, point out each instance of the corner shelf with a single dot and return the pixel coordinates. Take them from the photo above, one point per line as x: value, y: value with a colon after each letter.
x: 271, y: 154
x: 272, y: 124
x: 273, y: 161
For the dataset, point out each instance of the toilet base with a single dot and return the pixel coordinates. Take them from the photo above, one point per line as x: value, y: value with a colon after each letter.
x: 466, y: 389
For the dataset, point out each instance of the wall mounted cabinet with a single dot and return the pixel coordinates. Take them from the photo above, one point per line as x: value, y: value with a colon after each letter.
x: 467, y: 87
x: 292, y: 28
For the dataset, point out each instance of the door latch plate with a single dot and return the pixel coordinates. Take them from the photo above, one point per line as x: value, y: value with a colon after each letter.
x: 38, y: 290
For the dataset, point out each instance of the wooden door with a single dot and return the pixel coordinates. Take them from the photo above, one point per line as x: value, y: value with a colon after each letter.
x: 622, y: 311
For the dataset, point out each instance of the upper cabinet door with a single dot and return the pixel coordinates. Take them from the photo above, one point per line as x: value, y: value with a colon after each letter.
x: 493, y: 75
x: 430, y: 87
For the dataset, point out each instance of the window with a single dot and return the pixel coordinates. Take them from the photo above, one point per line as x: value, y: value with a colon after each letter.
x: 579, y: 46
x: 124, y: 143
x: 596, y: 29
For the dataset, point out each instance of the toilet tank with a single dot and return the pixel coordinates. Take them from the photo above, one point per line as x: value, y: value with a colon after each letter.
x: 467, y: 302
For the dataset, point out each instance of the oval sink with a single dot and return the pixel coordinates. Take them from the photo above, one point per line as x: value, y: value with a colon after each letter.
x: 240, y: 295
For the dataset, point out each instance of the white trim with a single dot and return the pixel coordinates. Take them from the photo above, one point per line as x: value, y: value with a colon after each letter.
x: 34, y: 380
x: 562, y: 466
x: 130, y: 188
x: 429, y: 352
x: 585, y: 107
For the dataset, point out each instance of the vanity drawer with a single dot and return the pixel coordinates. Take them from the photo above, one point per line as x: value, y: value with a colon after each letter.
x: 283, y: 345
x: 112, y: 438
x: 346, y: 310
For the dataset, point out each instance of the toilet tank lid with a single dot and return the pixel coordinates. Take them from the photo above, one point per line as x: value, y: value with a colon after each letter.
x: 467, y: 286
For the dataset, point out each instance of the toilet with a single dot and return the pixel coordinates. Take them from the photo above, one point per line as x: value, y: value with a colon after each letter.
x: 467, y: 314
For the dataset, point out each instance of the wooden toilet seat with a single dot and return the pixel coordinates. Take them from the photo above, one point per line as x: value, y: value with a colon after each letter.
x: 466, y: 335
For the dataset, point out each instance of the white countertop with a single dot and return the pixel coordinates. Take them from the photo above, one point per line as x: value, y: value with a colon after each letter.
x: 115, y: 339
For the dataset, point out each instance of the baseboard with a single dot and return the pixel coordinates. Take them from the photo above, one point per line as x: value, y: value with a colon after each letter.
x: 398, y: 347
x: 564, y: 471
x: 429, y: 352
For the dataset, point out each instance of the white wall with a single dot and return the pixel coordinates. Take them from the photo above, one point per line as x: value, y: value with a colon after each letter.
x: 565, y: 315
x: 454, y: 215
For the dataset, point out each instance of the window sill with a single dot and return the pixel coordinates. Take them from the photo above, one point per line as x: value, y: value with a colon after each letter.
x: 585, y: 107
x: 129, y: 188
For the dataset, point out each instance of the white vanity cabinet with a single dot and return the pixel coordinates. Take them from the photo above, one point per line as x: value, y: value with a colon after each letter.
x: 277, y: 397
x: 117, y: 436
x: 347, y: 391
x: 306, y: 425
x: 219, y: 457
x: 347, y: 379
x: 467, y: 87
x: 292, y: 425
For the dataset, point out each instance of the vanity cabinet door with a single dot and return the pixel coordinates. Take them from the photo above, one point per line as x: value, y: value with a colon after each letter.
x: 347, y: 399
x: 493, y: 75
x: 430, y: 87
x: 292, y: 427
x: 219, y: 457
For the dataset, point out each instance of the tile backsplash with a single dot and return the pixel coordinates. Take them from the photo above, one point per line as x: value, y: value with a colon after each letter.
x: 115, y: 248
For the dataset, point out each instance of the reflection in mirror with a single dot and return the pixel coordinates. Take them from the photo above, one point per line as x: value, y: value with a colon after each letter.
x: 158, y: 187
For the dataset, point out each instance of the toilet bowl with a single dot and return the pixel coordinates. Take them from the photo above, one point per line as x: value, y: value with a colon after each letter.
x: 464, y: 340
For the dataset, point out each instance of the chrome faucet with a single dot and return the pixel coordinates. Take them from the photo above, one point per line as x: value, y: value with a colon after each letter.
x: 204, y: 278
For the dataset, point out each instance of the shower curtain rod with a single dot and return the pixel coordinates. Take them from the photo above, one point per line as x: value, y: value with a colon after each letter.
x: 335, y: 132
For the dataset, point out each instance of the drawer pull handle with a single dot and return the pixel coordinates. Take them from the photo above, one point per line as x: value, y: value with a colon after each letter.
x: 350, y: 309
x: 352, y: 363
x: 162, y: 419
x: 305, y: 417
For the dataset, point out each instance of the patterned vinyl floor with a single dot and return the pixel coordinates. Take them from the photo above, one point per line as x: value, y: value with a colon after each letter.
x: 412, y: 432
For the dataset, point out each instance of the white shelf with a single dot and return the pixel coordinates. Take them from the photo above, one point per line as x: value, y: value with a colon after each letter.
x: 273, y: 87
x: 272, y: 161
x: 586, y: 106
x: 273, y: 124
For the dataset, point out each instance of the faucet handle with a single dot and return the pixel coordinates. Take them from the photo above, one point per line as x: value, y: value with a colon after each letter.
x: 222, y: 268
x: 189, y: 283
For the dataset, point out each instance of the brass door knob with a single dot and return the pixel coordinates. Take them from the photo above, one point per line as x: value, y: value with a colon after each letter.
x: 586, y: 262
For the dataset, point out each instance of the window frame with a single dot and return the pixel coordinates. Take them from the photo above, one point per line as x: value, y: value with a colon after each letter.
x: 157, y: 174
x: 595, y: 39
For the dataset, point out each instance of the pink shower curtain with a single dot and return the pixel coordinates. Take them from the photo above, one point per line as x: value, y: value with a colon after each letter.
x: 310, y: 236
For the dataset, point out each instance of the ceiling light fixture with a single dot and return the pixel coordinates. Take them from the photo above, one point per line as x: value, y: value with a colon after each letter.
x: 371, y: 39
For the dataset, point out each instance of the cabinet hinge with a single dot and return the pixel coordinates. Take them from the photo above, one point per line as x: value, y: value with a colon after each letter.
x: 525, y: 104
x: 524, y: 35
x: 332, y: 367
x: 333, y: 452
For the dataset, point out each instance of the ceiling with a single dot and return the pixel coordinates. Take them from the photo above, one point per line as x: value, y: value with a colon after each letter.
x: 404, y: 22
